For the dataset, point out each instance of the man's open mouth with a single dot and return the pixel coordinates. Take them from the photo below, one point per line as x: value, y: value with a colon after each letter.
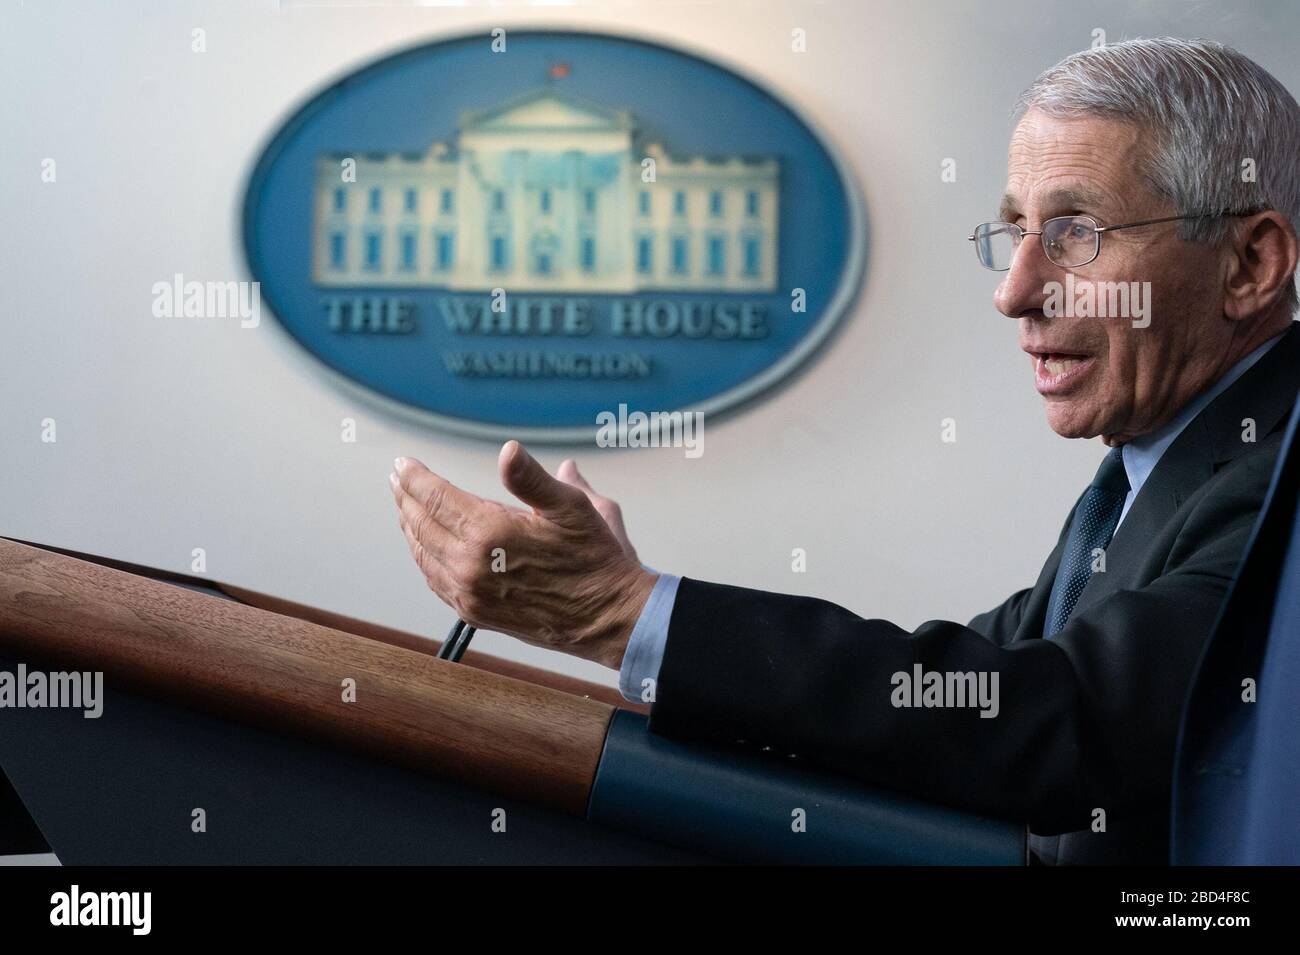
x: 1056, y: 372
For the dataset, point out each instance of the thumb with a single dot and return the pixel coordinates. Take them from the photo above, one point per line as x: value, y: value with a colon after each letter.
x: 527, y: 480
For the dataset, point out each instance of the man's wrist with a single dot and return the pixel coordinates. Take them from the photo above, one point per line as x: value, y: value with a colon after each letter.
x: 615, y: 628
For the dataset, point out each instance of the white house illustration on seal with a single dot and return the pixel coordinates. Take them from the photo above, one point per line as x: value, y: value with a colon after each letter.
x: 544, y: 193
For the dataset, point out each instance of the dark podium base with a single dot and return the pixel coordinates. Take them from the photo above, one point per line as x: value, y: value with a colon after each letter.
x: 121, y: 790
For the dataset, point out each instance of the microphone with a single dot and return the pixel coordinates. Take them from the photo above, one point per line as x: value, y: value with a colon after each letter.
x: 453, y: 648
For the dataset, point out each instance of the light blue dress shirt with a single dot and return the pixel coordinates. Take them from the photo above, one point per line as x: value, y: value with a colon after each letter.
x: 645, y: 650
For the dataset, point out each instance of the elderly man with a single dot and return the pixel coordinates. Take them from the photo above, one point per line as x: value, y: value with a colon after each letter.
x: 1165, y: 165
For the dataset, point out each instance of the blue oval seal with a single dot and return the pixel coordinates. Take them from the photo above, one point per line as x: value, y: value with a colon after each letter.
x: 508, y: 235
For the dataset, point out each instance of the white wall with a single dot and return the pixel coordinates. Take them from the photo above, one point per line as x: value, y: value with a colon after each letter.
x: 174, y: 435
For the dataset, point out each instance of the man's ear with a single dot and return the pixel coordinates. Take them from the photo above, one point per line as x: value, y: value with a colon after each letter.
x: 1261, y: 265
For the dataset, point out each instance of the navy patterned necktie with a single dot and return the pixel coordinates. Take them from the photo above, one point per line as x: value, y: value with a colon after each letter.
x: 1091, y: 529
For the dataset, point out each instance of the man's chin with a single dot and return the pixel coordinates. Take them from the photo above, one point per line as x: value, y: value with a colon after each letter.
x: 1069, y: 422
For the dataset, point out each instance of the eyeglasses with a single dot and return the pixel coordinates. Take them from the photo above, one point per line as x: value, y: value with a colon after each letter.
x: 1068, y: 241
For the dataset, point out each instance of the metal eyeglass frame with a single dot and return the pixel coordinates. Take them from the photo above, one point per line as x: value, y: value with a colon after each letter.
x: 1097, y: 229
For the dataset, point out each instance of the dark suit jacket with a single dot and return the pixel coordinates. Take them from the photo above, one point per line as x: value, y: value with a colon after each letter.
x: 1088, y: 719
x: 1237, y: 776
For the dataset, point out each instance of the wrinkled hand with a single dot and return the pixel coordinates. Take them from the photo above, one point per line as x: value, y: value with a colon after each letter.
x: 557, y: 575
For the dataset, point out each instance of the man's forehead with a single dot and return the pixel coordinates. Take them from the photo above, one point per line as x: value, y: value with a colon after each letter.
x: 1062, y: 164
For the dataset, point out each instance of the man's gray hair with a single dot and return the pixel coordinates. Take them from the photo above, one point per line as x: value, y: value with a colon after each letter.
x: 1224, y: 135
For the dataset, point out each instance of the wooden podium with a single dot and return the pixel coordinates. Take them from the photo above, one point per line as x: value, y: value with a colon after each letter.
x: 306, y: 736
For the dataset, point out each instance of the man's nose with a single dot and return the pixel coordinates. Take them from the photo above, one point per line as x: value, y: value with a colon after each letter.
x: 1022, y: 289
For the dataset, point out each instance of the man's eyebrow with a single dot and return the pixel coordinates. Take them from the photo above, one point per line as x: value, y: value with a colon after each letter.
x: 1057, y: 199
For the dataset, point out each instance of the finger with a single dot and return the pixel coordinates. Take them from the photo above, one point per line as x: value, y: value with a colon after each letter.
x: 435, y: 574
x: 568, y: 473
x: 527, y: 480
x: 432, y: 535
x: 446, y: 503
